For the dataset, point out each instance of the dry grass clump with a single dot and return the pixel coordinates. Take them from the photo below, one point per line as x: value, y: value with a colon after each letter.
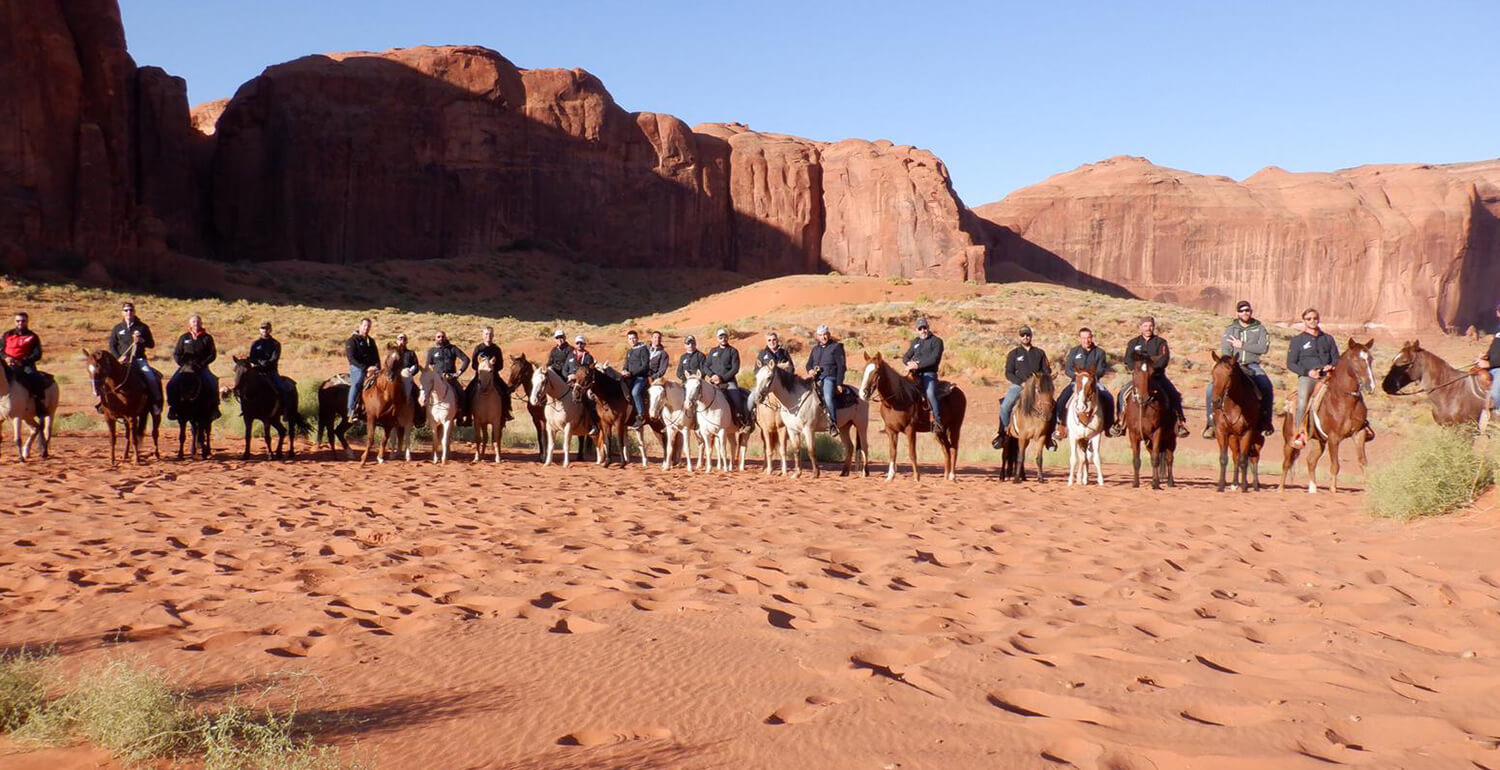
x: 23, y: 688
x: 1438, y: 471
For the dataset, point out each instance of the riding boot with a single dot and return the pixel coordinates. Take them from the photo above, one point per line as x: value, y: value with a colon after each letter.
x: 1208, y: 430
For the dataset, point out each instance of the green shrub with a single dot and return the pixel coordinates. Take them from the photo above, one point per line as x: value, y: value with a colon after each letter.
x: 124, y: 708
x: 1438, y: 471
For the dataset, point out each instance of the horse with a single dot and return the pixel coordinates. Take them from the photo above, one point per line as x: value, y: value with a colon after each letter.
x: 439, y: 395
x: 260, y: 396
x: 18, y: 405
x: 124, y: 396
x: 518, y: 380
x: 773, y: 434
x: 903, y: 410
x: 563, y: 409
x: 196, y: 405
x: 491, y: 407
x: 1085, y: 426
x: 1030, y: 421
x: 386, y: 407
x: 1149, y: 419
x: 1236, y: 413
x: 802, y: 412
x: 1340, y: 414
x: 1457, y: 397
x: 709, y: 408
x: 333, y: 417
x: 615, y: 409
x: 667, y: 403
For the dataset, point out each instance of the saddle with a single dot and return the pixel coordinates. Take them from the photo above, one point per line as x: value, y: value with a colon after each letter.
x: 342, y: 378
x: 845, y: 396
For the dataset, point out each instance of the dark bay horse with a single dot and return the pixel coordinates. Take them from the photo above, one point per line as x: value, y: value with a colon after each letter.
x: 1149, y: 419
x: 1236, y: 410
x: 615, y: 409
x: 195, y: 405
x: 1030, y: 421
x: 261, y: 400
x: 124, y: 397
x: 1340, y: 414
x: 903, y: 410
x: 1457, y: 397
x: 333, y: 417
x: 388, y: 408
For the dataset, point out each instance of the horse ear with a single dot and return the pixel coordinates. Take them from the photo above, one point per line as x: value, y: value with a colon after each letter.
x: 1350, y: 343
x: 1214, y: 354
x: 866, y: 354
x: 1370, y: 344
x: 86, y: 353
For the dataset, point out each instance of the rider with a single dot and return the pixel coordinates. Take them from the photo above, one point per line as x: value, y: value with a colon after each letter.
x: 581, y: 358
x: 825, y: 364
x: 660, y: 359
x: 1159, y: 353
x: 23, y: 349
x: 487, y: 349
x: 408, y: 363
x: 195, y: 350
x: 723, y: 366
x: 445, y: 359
x: 637, y: 375
x: 1247, y: 340
x: 361, y: 352
x: 692, y: 359
x: 557, y: 357
x: 128, y: 341
x: 1491, y: 361
x: 773, y: 354
x: 265, y: 352
x: 1085, y: 355
x: 922, y: 359
x: 1020, y: 363
x: 1312, y: 355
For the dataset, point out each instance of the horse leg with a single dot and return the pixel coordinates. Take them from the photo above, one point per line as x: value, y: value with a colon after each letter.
x: 284, y: 433
x: 1289, y: 455
x: 911, y: 451
x: 155, y: 435
x: 1094, y: 456
x: 891, y: 471
x: 848, y: 449
x: 812, y: 449
x: 1223, y: 460
x: 862, y: 441
x: 369, y: 441
x: 1041, y: 451
x: 1333, y: 462
x: 1315, y: 449
x: 1135, y: 462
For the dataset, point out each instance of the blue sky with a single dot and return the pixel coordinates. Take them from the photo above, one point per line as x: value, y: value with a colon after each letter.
x: 1006, y: 94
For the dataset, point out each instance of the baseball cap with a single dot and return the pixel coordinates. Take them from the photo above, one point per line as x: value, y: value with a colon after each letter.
x: 1243, y: 304
x: 922, y: 323
x: 822, y: 329
x: 691, y: 340
x: 580, y: 338
x: 558, y: 335
x: 721, y: 333
x: 265, y: 324
x: 1024, y: 332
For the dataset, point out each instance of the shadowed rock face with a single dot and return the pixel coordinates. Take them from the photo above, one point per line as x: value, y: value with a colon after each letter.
x: 1403, y: 245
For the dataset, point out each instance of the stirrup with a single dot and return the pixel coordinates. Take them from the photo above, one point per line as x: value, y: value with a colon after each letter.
x: 1299, y: 441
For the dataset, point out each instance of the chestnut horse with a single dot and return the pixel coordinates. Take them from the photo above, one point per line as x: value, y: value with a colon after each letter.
x: 124, y: 397
x: 1457, y: 397
x: 903, y: 410
x: 1340, y: 415
x: 1236, y: 410
x: 615, y: 410
x: 387, y: 408
x: 1030, y: 421
x: 1149, y: 419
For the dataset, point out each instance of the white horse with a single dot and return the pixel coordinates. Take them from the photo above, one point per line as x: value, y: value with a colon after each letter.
x: 668, y: 403
x: 438, y: 395
x: 710, y: 409
x: 564, y: 412
x: 802, y: 411
x: 1085, y: 427
x: 18, y: 406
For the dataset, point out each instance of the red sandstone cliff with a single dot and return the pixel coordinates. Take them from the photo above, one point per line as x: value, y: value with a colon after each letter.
x: 1402, y: 245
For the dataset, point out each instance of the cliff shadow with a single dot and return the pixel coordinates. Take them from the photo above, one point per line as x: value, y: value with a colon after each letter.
x: 1014, y: 258
x: 1478, y: 280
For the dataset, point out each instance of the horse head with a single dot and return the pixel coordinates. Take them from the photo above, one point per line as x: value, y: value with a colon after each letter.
x: 518, y: 374
x: 1140, y: 376
x: 692, y: 390
x: 762, y: 386
x: 539, y: 383
x: 100, y: 365
x: 870, y: 377
x: 484, y: 364
x: 1361, y: 357
x: 1085, y: 393
x: 1223, y: 375
x: 1405, y: 369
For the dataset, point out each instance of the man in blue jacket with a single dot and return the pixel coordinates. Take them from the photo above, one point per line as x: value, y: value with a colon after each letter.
x: 922, y: 359
x: 825, y: 364
x: 1312, y: 355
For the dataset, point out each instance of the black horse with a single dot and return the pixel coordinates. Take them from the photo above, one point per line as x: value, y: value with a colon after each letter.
x: 261, y: 398
x: 193, y: 404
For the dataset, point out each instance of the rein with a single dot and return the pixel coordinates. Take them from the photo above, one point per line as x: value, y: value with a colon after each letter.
x: 1420, y: 391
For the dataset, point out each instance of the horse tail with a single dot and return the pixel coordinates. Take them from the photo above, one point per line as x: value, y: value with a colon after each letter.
x: 298, y: 423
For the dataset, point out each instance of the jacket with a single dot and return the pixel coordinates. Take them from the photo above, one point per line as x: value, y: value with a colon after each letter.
x: 557, y: 357
x: 266, y: 353
x: 724, y: 361
x: 1078, y: 358
x: 121, y: 336
x: 490, y: 351
x: 360, y: 351
x: 830, y: 358
x: 1021, y: 363
x: 691, y: 362
x: 779, y: 356
x: 1155, y: 350
x: 1256, y: 339
x: 408, y: 360
x: 928, y: 354
x: 1494, y: 355
x: 574, y: 362
x: 25, y: 347
x: 197, y: 352
x: 638, y: 360
x: 447, y: 359
x: 1306, y: 353
x: 657, y: 361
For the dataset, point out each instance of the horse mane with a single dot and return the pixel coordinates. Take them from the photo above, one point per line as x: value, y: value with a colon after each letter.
x: 901, y: 392
x: 1041, y: 383
x: 787, y: 378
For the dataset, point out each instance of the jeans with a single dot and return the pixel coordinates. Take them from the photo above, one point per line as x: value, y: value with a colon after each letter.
x: 1262, y: 384
x: 638, y: 395
x: 1305, y: 387
x: 1106, y: 406
x: 829, y: 388
x: 356, y: 384
x: 930, y: 386
x: 1007, y: 405
x: 1495, y: 388
x: 153, y: 381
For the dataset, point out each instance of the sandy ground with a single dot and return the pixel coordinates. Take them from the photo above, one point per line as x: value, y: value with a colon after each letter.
x: 492, y: 616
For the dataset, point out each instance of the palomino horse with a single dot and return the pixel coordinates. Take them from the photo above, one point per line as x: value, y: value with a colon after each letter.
x: 195, y: 405
x: 802, y: 412
x: 18, y: 406
x: 1085, y: 426
x: 903, y: 410
x: 1030, y: 422
x: 261, y: 399
x: 387, y: 408
x: 563, y: 410
x: 708, y: 406
x: 439, y: 395
x: 1457, y: 397
x: 668, y: 404
x: 491, y: 407
x: 333, y: 417
x: 1236, y: 410
x: 1339, y: 415
x: 773, y: 434
x: 125, y: 397
x: 615, y: 410
x: 1149, y: 419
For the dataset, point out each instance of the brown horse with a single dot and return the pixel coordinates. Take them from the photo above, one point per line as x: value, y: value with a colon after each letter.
x: 903, y: 410
x: 333, y: 417
x: 490, y: 407
x: 125, y: 397
x: 1030, y: 421
x: 387, y: 407
x: 259, y: 394
x: 518, y: 380
x: 1236, y: 410
x: 1341, y: 414
x: 1149, y: 419
x: 614, y: 407
x: 1457, y: 397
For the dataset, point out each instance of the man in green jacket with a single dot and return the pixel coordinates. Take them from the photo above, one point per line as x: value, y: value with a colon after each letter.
x: 1247, y: 339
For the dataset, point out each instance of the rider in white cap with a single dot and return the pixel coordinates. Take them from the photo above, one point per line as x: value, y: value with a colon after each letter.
x: 558, y: 355
x: 825, y: 364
